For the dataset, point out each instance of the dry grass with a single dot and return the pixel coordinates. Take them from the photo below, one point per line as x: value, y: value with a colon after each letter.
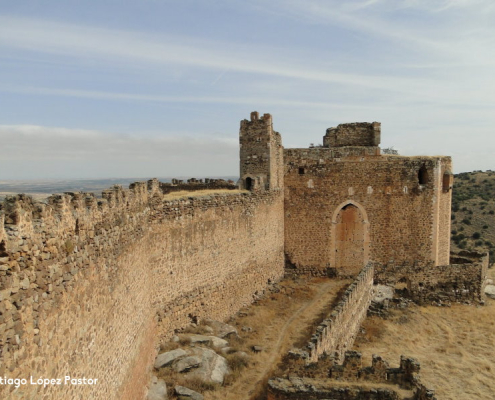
x: 197, y: 193
x: 277, y: 321
x: 173, y: 379
x: 454, y: 346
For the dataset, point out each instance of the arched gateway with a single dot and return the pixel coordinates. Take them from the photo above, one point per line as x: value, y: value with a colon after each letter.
x: 350, y: 238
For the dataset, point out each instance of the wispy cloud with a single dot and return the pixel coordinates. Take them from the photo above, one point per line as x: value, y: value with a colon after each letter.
x: 40, y: 151
x: 112, y: 46
x: 457, y: 29
x: 262, y: 100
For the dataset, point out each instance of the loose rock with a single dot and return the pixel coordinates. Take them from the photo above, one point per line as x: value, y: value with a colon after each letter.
x: 221, y: 329
x: 212, y: 368
x: 186, y: 393
x: 490, y: 291
x: 187, y: 363
x: 157, y: 390
x: 169, y: 357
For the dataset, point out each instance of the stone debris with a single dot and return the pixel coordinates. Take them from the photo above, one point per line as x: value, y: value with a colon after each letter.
x: 490, y: 291
x: 198, y: 361
x: 212, y: 367
x: 187, y: 363
x: 382, y: 292
x: 206, y: 340
x: 221, y: 329
x: 185, y: 393
x: 169, y: 357
x: 209, y: 329
x: 157, y: 389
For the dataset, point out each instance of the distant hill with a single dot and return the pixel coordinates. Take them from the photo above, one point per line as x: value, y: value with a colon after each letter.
x: 473, y: 212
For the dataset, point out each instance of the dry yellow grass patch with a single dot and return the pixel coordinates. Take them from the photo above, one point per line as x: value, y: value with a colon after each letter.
x: 454, y: 346
x: 196, y: 193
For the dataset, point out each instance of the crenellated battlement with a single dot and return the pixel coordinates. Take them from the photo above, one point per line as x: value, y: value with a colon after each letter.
x: 80, y: 274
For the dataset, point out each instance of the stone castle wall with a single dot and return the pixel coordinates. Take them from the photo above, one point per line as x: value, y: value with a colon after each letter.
x: 396, y: 218
x: 88, y: 286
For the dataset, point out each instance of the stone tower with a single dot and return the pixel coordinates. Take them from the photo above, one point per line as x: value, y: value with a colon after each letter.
x: 261, y: 154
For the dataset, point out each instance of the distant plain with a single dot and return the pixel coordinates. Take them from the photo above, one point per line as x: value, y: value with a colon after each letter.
x: 41, y: 189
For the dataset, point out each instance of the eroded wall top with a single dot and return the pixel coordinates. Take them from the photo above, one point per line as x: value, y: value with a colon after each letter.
x: 353, y: 134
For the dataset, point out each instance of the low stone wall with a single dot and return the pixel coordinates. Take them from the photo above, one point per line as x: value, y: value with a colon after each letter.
x: 337, y: 332
x: 351, y: 381
x: 305, y: 389
x: 88, y: 286
x: 406, y: 376
x: 462, y: 280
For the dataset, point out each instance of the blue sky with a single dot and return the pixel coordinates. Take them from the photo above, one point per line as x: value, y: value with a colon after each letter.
x: 143, y: 88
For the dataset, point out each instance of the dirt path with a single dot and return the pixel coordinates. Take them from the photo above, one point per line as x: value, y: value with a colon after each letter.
x: 278, y: 323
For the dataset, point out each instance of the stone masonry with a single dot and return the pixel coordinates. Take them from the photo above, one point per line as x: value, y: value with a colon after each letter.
x: 89, y: 286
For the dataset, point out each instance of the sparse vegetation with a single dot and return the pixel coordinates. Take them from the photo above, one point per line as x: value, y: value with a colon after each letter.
x: 197, y: 193
x: 453, y: 345
x: 390, y: 150
x: 473, y: 209
x: 68, y: 246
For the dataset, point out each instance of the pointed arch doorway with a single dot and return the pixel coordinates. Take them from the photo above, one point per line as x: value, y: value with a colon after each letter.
x: 350, y: 239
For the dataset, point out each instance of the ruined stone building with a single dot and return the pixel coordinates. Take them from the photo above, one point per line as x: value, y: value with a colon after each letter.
x: 89, y: 286
x: 346, y: 203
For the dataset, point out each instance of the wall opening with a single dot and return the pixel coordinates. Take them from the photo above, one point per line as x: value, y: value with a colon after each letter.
x: 423, y: 176
x: 301, y: 171
x: 249, y: 184
x: 351, y: 240
x: 402, y: 286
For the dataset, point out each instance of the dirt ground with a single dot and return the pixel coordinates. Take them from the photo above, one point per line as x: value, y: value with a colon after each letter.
x: 454, y: 345
x: 283, y: 318
x: 279, y: 322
